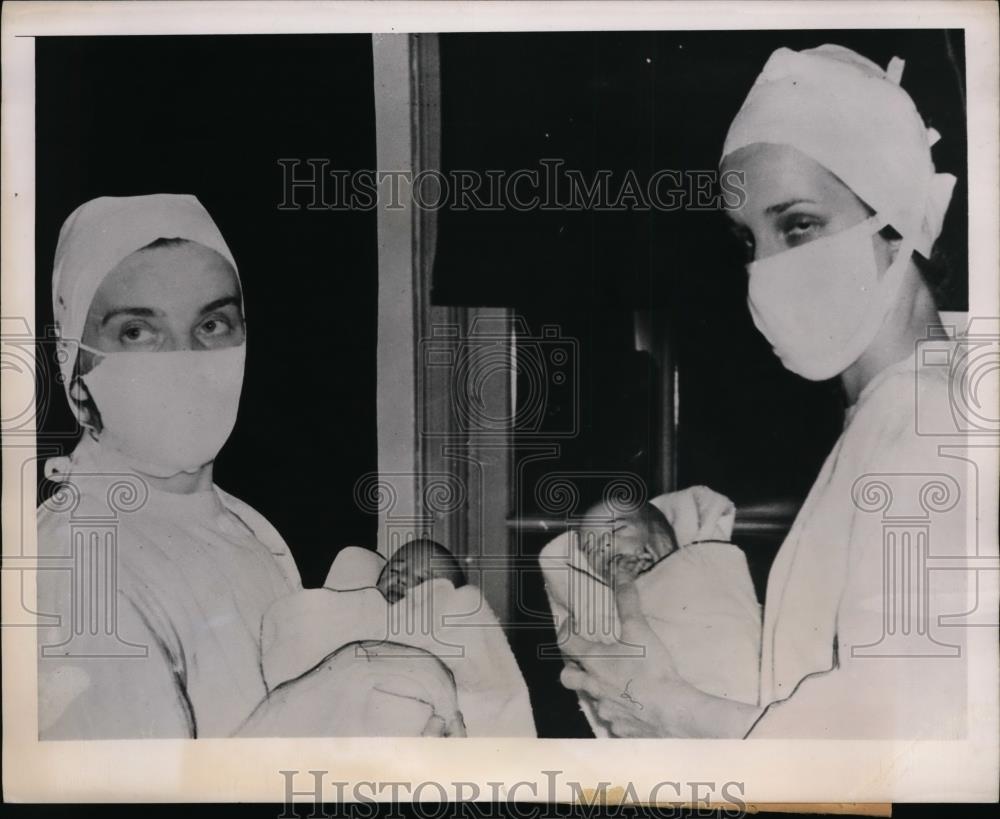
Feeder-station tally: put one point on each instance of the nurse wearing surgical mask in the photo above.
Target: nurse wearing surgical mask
(842, 207)
(149, 287)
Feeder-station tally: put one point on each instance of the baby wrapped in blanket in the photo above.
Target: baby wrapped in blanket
(417, 599)
(694, 586)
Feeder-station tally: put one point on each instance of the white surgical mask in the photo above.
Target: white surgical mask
(821, 304)
(167, 412)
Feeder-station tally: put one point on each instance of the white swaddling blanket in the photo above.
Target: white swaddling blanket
(379, 690)
(455, 625)
(699, 600)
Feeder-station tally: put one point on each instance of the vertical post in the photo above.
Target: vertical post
(437, 327)
(488, 455)
(668, 409)
(396, 408)
(439, 473)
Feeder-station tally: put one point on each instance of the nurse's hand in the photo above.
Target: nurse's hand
(624, 681)
(637, 692)
(437, 726)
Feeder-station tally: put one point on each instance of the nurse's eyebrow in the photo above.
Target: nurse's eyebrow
(781, 207)
(225, 301)
(142, 312)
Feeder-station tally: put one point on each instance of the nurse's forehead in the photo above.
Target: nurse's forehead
(168, 279)
(773, 177)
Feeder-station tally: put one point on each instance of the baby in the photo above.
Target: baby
(369, 600)
(700, 603)
(635, 539)
(416, 562)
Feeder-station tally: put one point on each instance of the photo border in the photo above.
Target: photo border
(213, 770)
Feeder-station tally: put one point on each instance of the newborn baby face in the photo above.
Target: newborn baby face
(635, 540)
(414, 563)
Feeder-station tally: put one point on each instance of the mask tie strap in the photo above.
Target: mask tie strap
(895, 70)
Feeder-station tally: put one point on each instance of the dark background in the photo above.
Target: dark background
(211, 116)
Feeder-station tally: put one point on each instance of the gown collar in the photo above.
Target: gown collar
(904, 365)
(107, 473)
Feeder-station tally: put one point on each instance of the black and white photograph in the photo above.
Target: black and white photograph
(375, 383)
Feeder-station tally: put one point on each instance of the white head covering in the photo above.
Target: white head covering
(854, 119)
(102, 232)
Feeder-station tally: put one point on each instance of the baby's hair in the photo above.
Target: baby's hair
(647, 513)
(659, 522)
(443, 563)
(164, 241)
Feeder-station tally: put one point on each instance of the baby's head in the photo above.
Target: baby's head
(416, 562)
(642, 535)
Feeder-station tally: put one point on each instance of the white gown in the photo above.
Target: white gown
(195, 574)
(863, 634)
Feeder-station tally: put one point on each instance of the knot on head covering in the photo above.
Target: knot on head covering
(853, 118)
(101, 233)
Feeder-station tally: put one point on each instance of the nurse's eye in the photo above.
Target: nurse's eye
(800, 228)
(215, 326)
(136, 334)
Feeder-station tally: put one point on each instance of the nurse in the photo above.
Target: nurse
(842, 207)
(161, 638)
